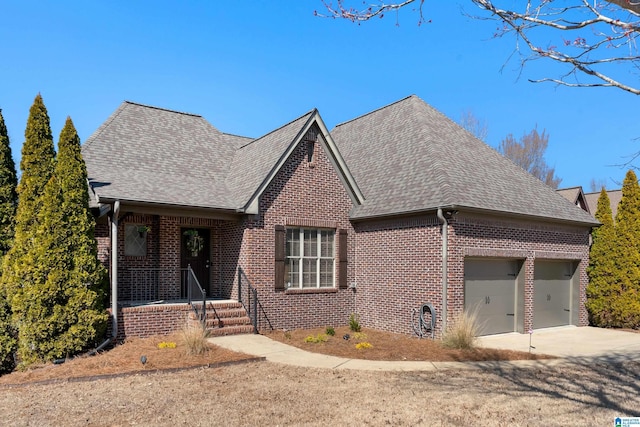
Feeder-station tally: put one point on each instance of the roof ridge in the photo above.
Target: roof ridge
(569, 188)
(236, 135)
(376, 110)
(315, 110)
(162, 109)
(608, 191)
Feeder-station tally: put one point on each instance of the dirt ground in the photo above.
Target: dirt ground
(115, 389)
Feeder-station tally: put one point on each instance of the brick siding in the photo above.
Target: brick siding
(394, 264)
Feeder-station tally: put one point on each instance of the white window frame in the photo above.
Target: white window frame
(301, 256)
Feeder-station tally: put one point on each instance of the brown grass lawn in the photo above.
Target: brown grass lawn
(113, 391)
(125, 358)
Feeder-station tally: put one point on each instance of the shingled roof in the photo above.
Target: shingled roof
(407, 157)
(614, 199)
(401, 159)
(149, 155)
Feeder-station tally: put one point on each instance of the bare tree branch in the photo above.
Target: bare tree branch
(601, 51)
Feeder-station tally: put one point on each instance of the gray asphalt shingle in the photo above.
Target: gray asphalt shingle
(405, 157)
(409, 157)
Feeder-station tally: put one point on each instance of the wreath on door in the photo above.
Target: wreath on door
(195, 242)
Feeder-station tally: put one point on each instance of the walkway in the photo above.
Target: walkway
(570, 344)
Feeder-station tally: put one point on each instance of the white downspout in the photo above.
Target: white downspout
(114, 267)
(445, 227)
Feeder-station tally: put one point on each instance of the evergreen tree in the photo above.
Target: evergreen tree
(625, 307)
(37, 163)
(7, 338)
(8, 195)
(603, 281)
(8, 200)
(81, 243)
(62, 307)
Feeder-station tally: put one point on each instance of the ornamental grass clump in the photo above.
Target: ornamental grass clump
(462, 332)
(354, 322)
(194, 336)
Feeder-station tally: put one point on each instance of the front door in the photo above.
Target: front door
(195, 251)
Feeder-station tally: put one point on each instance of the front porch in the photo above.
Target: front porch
(167, 271)
(221, 317)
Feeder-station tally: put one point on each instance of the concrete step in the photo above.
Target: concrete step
(230, 330)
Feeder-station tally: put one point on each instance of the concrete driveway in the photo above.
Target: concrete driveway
(572, 342)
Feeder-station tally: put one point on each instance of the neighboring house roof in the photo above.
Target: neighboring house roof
(575, 196)
(403, 158)
(408, 157)
(614, 198)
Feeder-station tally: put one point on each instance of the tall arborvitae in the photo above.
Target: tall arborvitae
(19, 267)
(625, 307)
(8, 200)
(62, 307)
(37, 163)
(8, 195)
(81, 243)
(603, 278)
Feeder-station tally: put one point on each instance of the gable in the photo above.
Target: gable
(270, 153)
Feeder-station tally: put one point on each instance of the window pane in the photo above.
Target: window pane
(293, 276)
(326, 273)
(293, 242)
(135, 240)
(310, 243)
(326, 243)
(309, 273)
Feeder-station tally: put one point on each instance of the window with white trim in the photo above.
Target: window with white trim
(310, 259)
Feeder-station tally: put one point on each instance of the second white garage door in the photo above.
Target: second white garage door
(490, 288)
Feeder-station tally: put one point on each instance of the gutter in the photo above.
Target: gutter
(114, 267)
(445, 237)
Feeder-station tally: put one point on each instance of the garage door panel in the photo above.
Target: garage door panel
(552, 293)
(490, 291)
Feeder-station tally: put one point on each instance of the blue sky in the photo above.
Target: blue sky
(251, 66)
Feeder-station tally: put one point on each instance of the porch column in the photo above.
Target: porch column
(114, 266)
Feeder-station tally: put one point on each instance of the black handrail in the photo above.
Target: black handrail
(252, 305)
(191, 281)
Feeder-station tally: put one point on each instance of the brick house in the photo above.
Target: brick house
(302, 227)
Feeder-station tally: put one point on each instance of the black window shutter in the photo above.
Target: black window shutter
(279, 258)
(342, 259)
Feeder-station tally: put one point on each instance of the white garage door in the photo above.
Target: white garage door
(552, 293)
(490, 288)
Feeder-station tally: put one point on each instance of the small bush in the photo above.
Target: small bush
(318, 338)
(354, 322)
(167, 344)
(287, 335)
(330, 331)
(359, 336)
(363, 345)
(462, 332)
(195, 336)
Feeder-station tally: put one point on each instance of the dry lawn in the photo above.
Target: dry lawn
(114, 389)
